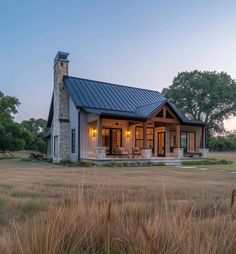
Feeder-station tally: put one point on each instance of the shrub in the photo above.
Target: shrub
(206, 162)
(65, 162)
(86, 164)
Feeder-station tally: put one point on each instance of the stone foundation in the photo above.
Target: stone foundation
(204, 152)
(100, 153)
(146, 153)
(179, 152)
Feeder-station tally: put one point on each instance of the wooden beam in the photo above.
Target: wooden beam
(134, 123)
(164, 112)
(164, 120)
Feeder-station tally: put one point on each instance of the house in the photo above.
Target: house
(94, 120)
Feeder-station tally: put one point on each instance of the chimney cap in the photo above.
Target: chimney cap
(61, 56)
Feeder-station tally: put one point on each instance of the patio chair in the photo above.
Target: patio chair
(120, 151)
(136, 151)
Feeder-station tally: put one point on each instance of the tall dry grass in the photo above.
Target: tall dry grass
(98, 221)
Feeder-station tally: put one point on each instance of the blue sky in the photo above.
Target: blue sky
(139, 43)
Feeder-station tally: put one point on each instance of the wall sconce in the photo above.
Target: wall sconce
(128, 134)
(94, 131)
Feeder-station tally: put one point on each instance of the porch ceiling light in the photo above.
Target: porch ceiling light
(94, 131)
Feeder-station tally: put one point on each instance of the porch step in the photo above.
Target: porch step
(166, 161)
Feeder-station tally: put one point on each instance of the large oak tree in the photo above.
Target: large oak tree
(207, 96)
(37, 128)
(13, 136)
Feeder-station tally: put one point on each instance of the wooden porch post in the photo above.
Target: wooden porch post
(99, 128)
(145, 134)
(177, 136)
(203, 137)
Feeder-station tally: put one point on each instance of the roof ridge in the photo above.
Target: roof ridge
(109, 109)
(99, 81)
(164, 100)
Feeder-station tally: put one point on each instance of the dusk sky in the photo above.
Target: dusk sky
(138, 43)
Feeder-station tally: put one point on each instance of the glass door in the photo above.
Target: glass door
(161, 143)
(111, 139)
(116, 139)
(191, 141)
(106, 139)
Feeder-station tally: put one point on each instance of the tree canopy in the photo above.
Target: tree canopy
(37, 128)
(15, 136)
(207, 96)
(8, 107)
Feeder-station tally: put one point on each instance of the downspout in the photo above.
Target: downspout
(79, 135)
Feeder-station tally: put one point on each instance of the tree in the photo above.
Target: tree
(226, 142)
(12, 135)
(206, 96)
(37, 128)
(8, 107)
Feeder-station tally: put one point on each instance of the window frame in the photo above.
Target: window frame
(55, 146)
(186, 149)
(172, 147)
(148, 139)
(139, 139)
(73, 136)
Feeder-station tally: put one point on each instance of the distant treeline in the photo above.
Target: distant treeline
(15, 136)
(226, 142)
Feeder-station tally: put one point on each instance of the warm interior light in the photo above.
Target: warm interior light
(94, 131)
(128, 134)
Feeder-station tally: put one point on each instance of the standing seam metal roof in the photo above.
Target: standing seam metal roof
(95, 94)
(116, 100)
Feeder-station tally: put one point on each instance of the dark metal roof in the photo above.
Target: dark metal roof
(117, 100)
(114, 113)
(50, 114)
(101, 95)
(47, 133)
(146, 110)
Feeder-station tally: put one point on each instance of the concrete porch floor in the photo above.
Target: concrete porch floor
(155, 160)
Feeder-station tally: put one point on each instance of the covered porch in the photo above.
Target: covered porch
(162, 135)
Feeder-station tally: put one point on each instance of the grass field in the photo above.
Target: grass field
(50, 209)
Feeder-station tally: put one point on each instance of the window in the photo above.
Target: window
(73, 141)
(188, 141)
(172, 140)
(56, 146)
(139, 137)
(183, 140)
(150, 138)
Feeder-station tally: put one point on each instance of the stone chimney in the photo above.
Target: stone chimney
(61, 109)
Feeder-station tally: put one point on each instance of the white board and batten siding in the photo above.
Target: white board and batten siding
(73, 116)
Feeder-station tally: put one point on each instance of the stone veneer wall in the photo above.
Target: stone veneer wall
(61, 111)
